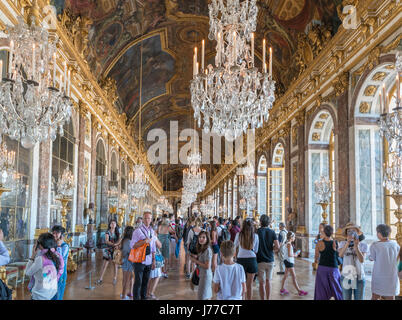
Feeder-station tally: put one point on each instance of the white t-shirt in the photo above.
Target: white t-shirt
(230, 278)
(385, 281)
(219, 229)
(350, 259)
(243, 253)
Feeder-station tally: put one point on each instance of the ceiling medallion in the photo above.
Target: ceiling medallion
(234, 95)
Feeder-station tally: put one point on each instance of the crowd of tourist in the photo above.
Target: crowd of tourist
(222, 257)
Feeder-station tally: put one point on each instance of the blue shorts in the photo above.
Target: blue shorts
(215, 248)
(127, 265)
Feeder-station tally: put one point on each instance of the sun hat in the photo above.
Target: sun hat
(351, 225)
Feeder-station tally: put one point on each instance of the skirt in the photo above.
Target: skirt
(156, 273)
(328, 284)
(249, 264)
(164, 239)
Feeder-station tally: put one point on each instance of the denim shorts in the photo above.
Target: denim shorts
(215, 248)
(127, 265)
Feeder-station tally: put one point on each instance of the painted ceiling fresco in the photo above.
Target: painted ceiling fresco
(167, 31)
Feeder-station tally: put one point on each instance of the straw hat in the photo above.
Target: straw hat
(351, 225)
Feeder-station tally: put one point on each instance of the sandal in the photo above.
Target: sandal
(303, 293)
(284, 292)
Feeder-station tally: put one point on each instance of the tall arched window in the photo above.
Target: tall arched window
(62, 158)
(276, 187)
(262, 186)
(234, 196)
(230, 212)
(123, 177)
(321, 163)
(101, 186)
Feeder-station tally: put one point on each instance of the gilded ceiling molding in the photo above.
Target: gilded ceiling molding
(347, 48)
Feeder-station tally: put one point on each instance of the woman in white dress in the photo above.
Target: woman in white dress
(384, 253)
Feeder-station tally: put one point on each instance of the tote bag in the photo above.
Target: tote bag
(138, 255)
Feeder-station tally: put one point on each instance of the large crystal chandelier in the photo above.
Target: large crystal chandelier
(32, 109)
(194, 178)
(138, 182)
(165, 205)
(7, 168)
(391, 123)
(65, 184)
(187, 198)
(234, 94)
(207, 206)
(247, 187)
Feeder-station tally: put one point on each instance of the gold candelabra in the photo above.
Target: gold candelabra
(2, 190)
(71, 264)
(132, 218)
(324, 214)
(121, 214)
(398, 214)
(244, 214)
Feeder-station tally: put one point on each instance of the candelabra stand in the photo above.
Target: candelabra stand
(398, 214)
(324, 214)
(120, 215)
(71, 264)
(132, 218)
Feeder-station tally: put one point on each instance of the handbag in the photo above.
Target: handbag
(138, 255)
(159, 260)
(195, 279)
(118, 257)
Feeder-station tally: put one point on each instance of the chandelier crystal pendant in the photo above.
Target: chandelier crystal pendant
(234, 95)
(32, 109)
(194, 178)
(393, 174)
(8, 175)
(138, 182)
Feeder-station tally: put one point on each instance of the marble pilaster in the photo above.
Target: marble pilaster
(45, 164)
(81, 170)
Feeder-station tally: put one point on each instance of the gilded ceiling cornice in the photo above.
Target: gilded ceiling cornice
(328, 71)
(98, 102)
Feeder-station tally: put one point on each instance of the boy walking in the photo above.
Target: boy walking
(229, 280)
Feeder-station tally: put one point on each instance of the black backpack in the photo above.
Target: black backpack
(193, 245)
(179, 232)
(5, 292)
(225, 235)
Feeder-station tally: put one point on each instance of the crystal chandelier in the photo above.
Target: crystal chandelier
(243, 204)
(207, 206)
(322, 188)
(233, 95)
(247, 187)
(393, 174)
(165, 205)
(194, 178)
(138, 182)
(7, 168)
(187, 198)
(65, 184)
(391, 123)
(31, 108)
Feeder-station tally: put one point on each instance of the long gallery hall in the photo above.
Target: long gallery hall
(200, 150)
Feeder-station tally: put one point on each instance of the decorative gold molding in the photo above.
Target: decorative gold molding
(365, 107)
(38, 232)
(370, 91)
(79, 228)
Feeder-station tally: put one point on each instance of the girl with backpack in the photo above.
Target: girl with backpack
(192, 241)
(289, 261)
(187, 227)
(45, 268)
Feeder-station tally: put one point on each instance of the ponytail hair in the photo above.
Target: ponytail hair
(47, 241)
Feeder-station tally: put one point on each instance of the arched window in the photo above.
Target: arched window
(276, 187)
(230, 212)
(113, 171)
(371, 151)
(262, 186)
(101, 186)
(321, 163)
(234, 196)
(100, 159)
(62, 158)
(123, 177)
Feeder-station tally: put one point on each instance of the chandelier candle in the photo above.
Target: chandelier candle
(10, 66)
(263, 55)
(33, 61)
(203, 56)
(270, 63)
(1, 70)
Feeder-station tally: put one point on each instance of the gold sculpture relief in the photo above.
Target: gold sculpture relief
(294, 136)
(370, 91)
(109, 85)
(316, 136)
(341, 83)
(379, 76)
(323, 116)
(365, 107)
(390, 67)
(318, 125)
